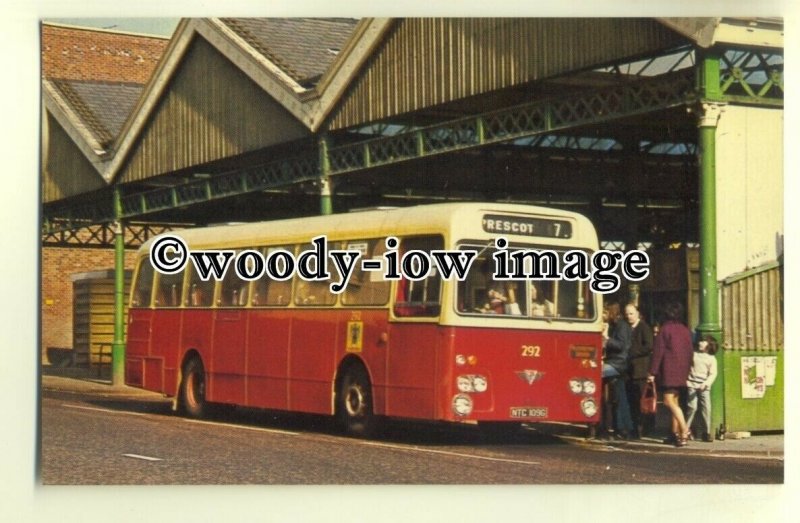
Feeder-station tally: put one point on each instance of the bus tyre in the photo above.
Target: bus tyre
(193, 389)
(354, 404)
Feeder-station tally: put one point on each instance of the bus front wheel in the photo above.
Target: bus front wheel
(193, 389)
(354, 403)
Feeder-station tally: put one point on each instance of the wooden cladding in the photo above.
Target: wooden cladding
(67, 172)
(752, 311)
(210, 110)
(429, 61)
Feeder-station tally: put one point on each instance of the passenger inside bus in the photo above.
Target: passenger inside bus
(540, 304)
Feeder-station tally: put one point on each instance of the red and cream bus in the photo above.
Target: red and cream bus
(472, 350)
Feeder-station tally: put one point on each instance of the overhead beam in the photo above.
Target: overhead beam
(101, 236)
(576, 110)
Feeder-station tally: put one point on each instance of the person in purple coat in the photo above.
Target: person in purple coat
(671, 362)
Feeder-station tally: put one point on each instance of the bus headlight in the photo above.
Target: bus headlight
(471, 383)
(464, 384)
(462, 404)
(589, 387)
(589, 407)
(582, 386)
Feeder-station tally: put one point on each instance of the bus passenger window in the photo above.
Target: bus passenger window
(233, 290)
(199, 293)
(267, 291)
(143, 287)
(367, 287)
(421, 298)
(313, 293)
(542, 301)
(168, 290)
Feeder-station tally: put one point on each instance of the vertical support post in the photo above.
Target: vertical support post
(325, 188)
(711, 110)
(709, 293)
(118, 347)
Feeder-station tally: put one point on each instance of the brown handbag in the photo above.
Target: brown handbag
(647, 403)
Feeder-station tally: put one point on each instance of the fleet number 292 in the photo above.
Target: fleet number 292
(531, 351)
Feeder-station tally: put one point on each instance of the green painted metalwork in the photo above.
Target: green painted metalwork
(518, 122)
(325, 189)
(709, 293)
(749, 414)
(535, 119)
(118, 346)
(102, 235)
(751, 76)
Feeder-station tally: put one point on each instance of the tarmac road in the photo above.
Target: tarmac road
(91, 436)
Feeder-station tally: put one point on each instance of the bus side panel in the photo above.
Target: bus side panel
(364, 333)
(411, 369)
(230, 329)
(137, 345)
(312, 360)
(528, 373)
(165, 338)
(268, 337)
(197, 328)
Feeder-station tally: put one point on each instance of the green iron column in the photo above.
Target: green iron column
(325, 189)
(118, 347)
(710, 111)
(709, 293)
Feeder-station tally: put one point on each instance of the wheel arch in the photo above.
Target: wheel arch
(189, 355)
(348, 362)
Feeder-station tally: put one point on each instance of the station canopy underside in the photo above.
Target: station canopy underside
(616, 144)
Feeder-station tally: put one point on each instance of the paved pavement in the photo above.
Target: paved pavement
(764, 445)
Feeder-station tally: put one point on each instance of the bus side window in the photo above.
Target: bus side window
(168, 290)
(143, 288)
(267, 291)
(366, 287)
(199, 293)
(420, 298)
(313, 293)
(233, 290)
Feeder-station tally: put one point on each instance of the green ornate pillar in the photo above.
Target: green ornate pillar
(710, 110)
(326, 184)
(118, 346)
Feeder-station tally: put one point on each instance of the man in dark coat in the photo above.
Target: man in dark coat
(641, 350)
(616, 347)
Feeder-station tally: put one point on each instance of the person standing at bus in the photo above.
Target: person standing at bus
(701, 377)
(671, 361)
(616, 347)
(641, 350)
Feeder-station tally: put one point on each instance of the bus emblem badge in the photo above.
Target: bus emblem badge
(355, 336)
(530, 376)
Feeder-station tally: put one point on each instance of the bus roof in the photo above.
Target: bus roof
(422, 219)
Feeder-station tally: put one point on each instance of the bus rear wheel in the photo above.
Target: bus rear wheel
(354, 411)
(193, 389)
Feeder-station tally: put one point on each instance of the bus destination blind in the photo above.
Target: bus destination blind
(496, 223)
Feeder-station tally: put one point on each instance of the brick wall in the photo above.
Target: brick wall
(86, 54)
(58, 264)
(91, 54)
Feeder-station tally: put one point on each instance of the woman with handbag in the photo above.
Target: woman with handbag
(671, 361)
(639, 355)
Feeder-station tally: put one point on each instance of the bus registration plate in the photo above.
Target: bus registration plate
(528, 412)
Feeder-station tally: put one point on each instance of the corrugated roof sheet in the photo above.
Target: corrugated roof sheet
(304, 48)
(102, 106)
